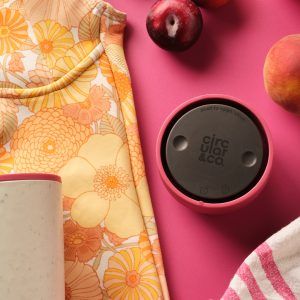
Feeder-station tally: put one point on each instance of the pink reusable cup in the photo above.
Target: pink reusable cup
(214, 154)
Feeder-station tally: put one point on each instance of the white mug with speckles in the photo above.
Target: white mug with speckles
(31, 237)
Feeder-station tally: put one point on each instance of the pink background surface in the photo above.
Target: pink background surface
(202, 252)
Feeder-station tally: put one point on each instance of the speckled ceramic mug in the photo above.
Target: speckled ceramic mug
(31, 233)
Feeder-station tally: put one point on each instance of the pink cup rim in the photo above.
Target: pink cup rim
(30, 176)
(198, 204)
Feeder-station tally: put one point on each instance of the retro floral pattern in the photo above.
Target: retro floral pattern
(81, 282)
(131, 276)
(8, 120)
(46, 141)
(102, 185)
(67, 12)
(53, 41)
(66, 107)
(75, 91)
(6, 161)
(16, 64)
(97, 103)
(136, 152)
(81, 243)
(13, 30)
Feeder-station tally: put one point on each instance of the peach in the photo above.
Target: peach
(282, 73)
(211, 3)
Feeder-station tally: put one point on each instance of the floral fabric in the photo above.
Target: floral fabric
(66, 107)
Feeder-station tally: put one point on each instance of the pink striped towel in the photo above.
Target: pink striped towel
(272, 271)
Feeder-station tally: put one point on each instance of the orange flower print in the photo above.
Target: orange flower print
(13, 30)
(113, 238)
(16, 64)
(6, 161)
(131, 276)
(92, 109)
(67, 203)
(123, 84)
(81, 282)
(81, 243)
(111, 182)
(157, 257)
(145, 246)
(53, 41)
(113, 33)
(106, 69)
(136, 152)
(40, 76)
(46, 141)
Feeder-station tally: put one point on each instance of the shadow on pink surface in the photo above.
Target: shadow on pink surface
(217, 25)
(297, 2)
(268, 211)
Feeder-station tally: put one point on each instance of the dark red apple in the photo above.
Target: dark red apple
(174, 24)
(211, 3)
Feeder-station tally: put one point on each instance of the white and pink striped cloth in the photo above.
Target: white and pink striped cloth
(272, 271)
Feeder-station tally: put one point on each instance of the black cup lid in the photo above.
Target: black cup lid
(216, 151)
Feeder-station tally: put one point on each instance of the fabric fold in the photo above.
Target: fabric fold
(67, 108)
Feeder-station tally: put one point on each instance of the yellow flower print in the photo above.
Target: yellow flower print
(6, 162)
(75, 92)
(18, 5)
(46, 141)
(53, 41)
(8, 120)
(89, 27)
(152, 253)
(131, 276)
(117, 58)
(8, 90)
(73, 57)
(13, 30)
(67, 12)
(99, 180)
(2, 2)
